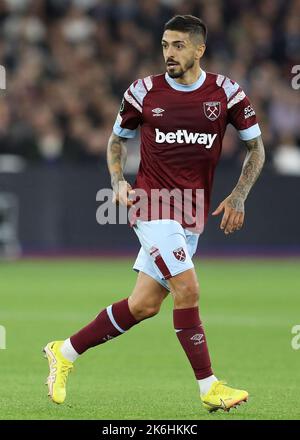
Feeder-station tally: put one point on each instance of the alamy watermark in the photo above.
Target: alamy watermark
(296, 79)
(296, 339)
(2, 337)
(185, 206)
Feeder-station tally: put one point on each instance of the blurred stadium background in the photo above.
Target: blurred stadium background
(67, 65)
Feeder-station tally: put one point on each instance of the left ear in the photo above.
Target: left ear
(200, 51)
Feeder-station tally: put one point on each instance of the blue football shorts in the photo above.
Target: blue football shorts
(166, 249)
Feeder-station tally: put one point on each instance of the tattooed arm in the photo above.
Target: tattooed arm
(116, 159)
(233, 205)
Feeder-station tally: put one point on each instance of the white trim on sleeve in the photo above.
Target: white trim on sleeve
(250, 133)
(237, 98)
(132, 101)
(123, 132)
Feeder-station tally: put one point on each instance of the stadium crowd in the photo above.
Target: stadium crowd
(68, 63)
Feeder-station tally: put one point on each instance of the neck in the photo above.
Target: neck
(190, 76)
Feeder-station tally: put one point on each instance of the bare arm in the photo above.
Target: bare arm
(116, 159)
(234, 205)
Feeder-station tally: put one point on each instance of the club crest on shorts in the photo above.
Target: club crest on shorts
(212, 110)
(179, 254)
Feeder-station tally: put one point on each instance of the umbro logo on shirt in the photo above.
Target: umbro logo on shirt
(185, 137)
(157, 111)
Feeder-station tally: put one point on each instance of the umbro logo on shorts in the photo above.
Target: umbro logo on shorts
(198, 338)
(179, 254)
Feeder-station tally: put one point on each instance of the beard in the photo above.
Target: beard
(181, 70)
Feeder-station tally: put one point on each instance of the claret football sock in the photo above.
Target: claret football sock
(111, 322)
(190, 333)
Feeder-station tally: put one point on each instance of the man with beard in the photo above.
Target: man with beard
(182, 115)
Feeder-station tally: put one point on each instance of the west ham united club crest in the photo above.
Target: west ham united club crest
(179, 254)
(212, 110)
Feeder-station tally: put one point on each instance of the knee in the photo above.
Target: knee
(143, 310)
(187, 294)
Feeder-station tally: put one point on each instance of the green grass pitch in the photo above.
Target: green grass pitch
(248, 307)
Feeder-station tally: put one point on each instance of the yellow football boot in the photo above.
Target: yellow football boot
(59, 371)
(223, 397)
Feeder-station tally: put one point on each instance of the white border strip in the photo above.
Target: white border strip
(132, 101)
(148, 82)
(229, 88)
(237, 98)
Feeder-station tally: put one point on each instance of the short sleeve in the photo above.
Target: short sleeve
(129, 116)
(240, 112)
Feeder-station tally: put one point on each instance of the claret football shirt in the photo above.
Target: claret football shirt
(182, 127)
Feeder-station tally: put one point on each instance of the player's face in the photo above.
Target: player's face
(180, 53)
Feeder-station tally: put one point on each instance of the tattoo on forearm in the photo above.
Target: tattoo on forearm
(251, 170)
(116, 158)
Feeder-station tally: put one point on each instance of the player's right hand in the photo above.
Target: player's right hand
(123, 194)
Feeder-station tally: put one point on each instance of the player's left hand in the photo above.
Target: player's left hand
(234, 213)
(123, 193)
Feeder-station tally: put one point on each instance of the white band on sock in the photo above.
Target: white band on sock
(113, 321)
(205, 384)
(68, 351)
